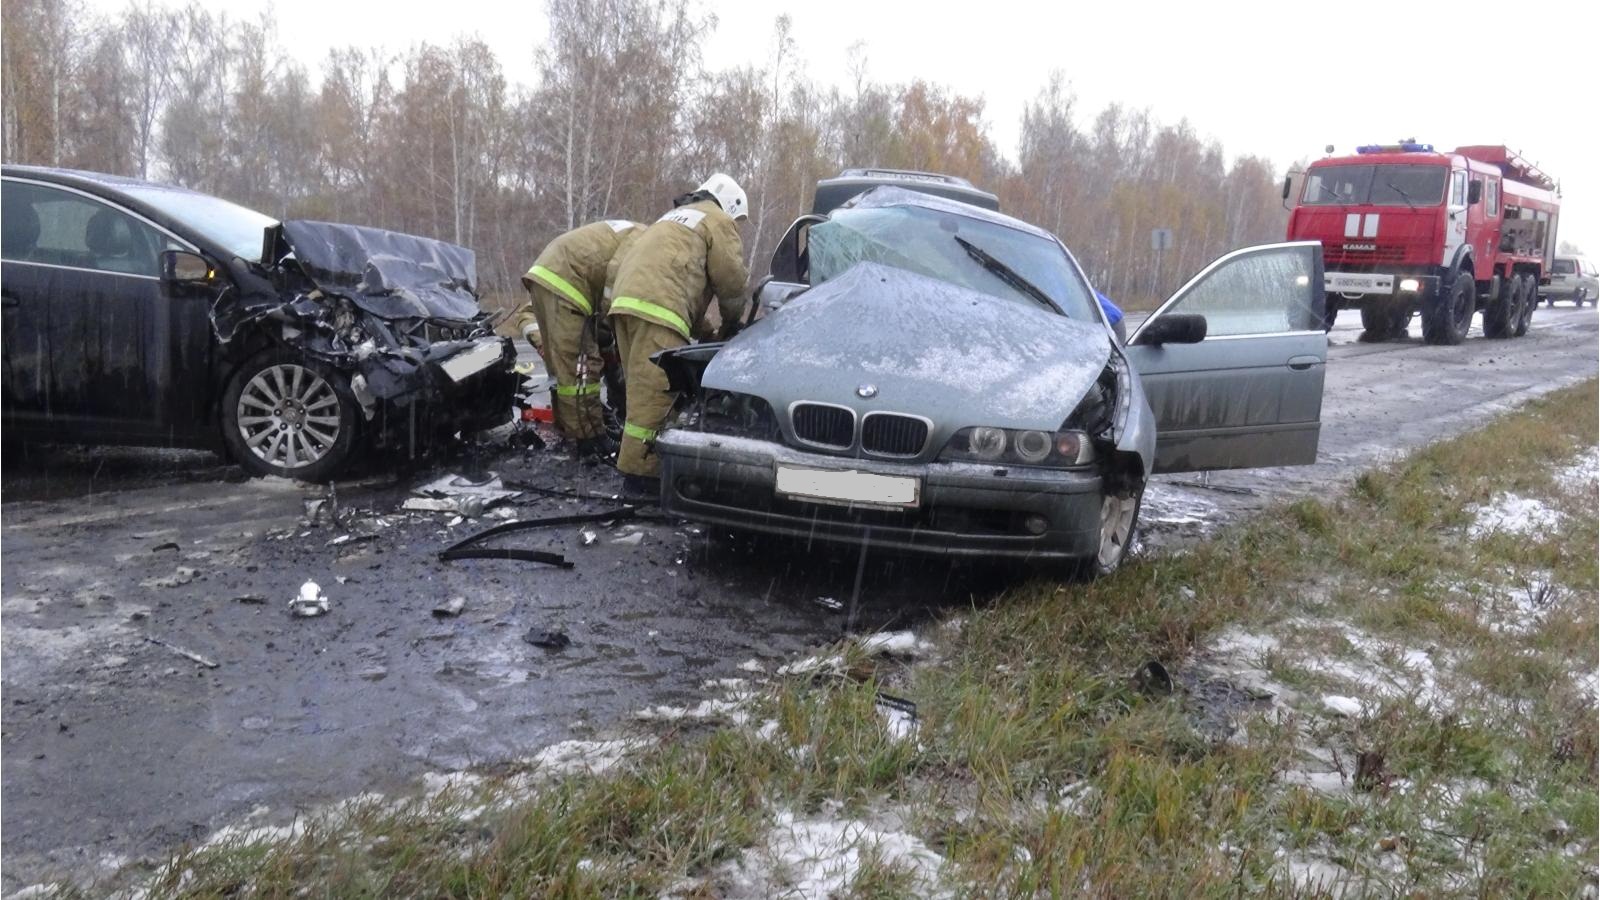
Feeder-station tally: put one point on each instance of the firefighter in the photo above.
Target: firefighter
(563, 320)
(663, 287)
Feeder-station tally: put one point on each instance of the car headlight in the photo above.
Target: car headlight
(987, 443)
(728, 412)
(1028, 448)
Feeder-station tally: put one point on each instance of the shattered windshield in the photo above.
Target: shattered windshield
(239, 230)
(920, 240)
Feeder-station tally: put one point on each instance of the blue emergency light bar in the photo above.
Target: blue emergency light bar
(1403, 147)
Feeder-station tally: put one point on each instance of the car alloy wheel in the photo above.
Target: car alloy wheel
(288, 416)
(1117, 515)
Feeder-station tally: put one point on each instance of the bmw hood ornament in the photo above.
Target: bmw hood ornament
(867, 391)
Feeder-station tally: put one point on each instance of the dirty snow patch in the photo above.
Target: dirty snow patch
(705, 709)
(821, 857)
(1513, 514)
(896, 643)
(1342, 706)
(591, 757)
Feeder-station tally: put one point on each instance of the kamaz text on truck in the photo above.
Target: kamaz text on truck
(1408, 230)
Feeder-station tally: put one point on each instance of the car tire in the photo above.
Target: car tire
(1504, 309)
(305, 401)
(1447, 318)
(1529, 289)
(1119, 526)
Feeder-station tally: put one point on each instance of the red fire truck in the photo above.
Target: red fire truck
(1406, 229)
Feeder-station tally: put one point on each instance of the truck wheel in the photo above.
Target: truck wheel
(1530, 289)
(1448, 317)
(288, 415)
(1503, 311)
(1381, 322)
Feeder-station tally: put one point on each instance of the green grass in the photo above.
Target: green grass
(1040, 766)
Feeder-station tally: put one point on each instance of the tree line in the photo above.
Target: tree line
(623, 116)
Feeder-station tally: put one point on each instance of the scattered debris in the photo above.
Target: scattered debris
(450, 608)
(169, 545)
(351, 539)
(549, 640)
(1153, 678)
(186, 654)
(829, 603)
(589, 538)
(458, 494)
(251, 599)
(311, 601)
(752, 665)
(464, 548)
(182, 576)
(631, 540)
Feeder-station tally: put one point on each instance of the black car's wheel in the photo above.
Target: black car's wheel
(1119, 523)
(285, 414)
(1447, 318)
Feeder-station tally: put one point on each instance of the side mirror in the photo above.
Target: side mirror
(771, 294)
(1474, 192)
(1287, 181)
(1174, 328)
(183, 267)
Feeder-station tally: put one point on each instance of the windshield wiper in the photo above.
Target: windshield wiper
(1403, 195)
(1006, 273)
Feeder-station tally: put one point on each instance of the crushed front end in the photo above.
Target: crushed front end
(398, 313)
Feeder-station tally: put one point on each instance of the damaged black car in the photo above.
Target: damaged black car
(146, 314)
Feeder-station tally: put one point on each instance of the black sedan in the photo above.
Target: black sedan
(141, 313)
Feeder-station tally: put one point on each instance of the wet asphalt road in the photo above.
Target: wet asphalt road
(115, 747)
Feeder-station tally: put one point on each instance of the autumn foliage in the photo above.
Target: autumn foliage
(623, 117)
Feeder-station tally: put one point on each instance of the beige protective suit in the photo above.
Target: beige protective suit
(663, 286)
(566, 305)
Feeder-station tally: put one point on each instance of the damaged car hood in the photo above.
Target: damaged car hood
(918, 345)
(386, 273)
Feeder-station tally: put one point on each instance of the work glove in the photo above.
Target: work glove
(531, 332)
(729, 328)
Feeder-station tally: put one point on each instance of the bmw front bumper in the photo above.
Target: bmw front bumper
(963, 509)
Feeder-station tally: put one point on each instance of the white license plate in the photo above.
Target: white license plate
(849, 486)
(1358, 283)
(471, 361)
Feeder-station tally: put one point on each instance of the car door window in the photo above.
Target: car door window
(1268, 290)
(55, 227)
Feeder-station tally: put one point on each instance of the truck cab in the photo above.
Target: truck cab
(1406, 229)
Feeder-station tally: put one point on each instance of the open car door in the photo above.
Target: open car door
(1250, 392)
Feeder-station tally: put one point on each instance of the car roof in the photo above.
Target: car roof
(888, 195)
(84, 178)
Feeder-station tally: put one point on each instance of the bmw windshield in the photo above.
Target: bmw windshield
(239, 230)
(924, 241)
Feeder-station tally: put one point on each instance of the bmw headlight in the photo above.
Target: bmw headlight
(987, 444)
(727, 412)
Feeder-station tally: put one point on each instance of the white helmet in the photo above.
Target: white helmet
(729, 195)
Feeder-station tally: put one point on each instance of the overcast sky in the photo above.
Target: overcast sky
(1281, 80)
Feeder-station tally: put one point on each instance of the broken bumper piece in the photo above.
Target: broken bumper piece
(958, 509)
(451, 386)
